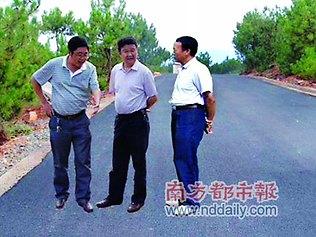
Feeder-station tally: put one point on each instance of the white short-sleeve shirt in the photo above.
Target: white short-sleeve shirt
(193, 80)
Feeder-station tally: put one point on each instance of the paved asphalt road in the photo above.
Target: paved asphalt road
(262, 132)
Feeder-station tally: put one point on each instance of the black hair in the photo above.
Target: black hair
(77, 42)
(126, 41)
(188, 42)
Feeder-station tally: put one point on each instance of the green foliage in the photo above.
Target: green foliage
(58, 26)
(306, 66)
(103, 81)
(296, 37)
(149, 52)
(205, 58)
(228, 66)
(104, 27)
(285, 37)
(254, 39)
(15, 129)
(21, 54)
(107, 25)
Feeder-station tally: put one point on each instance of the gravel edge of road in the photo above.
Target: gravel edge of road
(13, 175)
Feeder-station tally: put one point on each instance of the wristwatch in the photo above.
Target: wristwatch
(209, 122)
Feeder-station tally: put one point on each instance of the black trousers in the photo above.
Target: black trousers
(131, 133)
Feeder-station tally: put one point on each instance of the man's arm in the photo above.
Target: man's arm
(210, 104)
(150, 102)
(96, 94)
(39, 92)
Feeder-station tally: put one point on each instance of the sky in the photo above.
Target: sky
(211, 22)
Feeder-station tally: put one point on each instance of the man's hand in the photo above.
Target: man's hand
(208, 126)
(95, 109)
(96, 97)
(48, 109)
(46, 105)
(210, 105)
(150, 102)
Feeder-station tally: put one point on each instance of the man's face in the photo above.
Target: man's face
(179, 54)
(79, 56)
(129, 54)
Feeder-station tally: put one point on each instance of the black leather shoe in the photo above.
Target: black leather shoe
(87, 207)
(107, 203)
(61, 203)
(134, 207)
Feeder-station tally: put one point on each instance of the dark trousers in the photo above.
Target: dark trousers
(187, 127)
(131, 133)
(63, 133)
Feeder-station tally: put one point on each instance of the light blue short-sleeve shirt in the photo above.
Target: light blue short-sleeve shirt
(70, 91)
(131, 88)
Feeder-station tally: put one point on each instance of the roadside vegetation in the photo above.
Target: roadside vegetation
(21, 53)
(281, 41)
(274, 38)
(282, 38)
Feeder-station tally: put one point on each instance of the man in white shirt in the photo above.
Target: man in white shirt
(135, 93)
(193, 111)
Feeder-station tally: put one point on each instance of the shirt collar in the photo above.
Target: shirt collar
(134, 67)
(83, 67)
(191, 61)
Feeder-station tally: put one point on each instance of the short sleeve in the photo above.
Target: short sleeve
(203, 81)
(94, 84)
(45, 73)
(149, 84)
(111, 86)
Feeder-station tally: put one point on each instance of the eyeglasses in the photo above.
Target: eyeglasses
(81, 54)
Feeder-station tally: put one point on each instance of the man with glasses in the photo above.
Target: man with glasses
(73, 80)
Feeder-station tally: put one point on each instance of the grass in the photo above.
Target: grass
(13, 130)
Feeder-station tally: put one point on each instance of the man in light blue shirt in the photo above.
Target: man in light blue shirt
(73, 80)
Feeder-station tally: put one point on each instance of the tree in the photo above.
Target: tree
(107, 25)
(205, 58)
(20, 55)
(306, 66)
(228, 66)
(296, 38)
(58, 26)
(149, 52)
(254, 39)
(104, 27)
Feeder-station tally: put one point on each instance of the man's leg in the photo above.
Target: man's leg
(82, 150)
(138, 137)
(187, 133)
(60, 143)
(120, 161)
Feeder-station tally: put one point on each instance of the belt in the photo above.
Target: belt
(69, 117)
(134, 114)
(191, 106)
